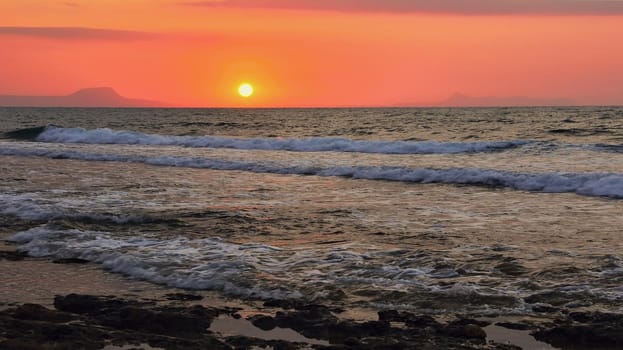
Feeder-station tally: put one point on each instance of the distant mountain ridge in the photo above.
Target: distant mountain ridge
(460, 100)
(90, 97)
(108, 97)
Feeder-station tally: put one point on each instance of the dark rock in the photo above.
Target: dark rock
(352, 342)
(506, 347)
(410, 320)
(156, 322)
(374, 328)
(470, 331)
(23, 344)
(313, 322)
(85, 304)
(201, 311)
(22, 334)
(206, 342)
(597, 317)
(582, 336)
(468, 321)
(100, 321)
(36, 312)
(265, 323)
(251, 343)
(312, 307)
(421, 321)
(183, 297)
(70, 261)
(176, 322)
(474, 331)
(594, 330)
(105, 320)
(390, 315)
(284, 304)
(121, 314)
(337, 333)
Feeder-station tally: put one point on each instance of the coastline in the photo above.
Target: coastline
(102, 310)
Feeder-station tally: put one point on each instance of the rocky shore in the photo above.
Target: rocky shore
(103, 322)
(95, 322)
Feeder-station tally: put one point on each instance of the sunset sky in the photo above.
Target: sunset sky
(314, 52)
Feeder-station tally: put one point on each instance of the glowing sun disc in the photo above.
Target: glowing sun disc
(245, 90)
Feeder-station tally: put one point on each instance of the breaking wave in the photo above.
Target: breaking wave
(27, 206)
(311, 144)
(214, 264)
(588, 184)
(181, 262)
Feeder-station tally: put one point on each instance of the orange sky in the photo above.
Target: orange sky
(313, 53)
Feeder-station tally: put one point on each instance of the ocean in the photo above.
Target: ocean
(476, 210)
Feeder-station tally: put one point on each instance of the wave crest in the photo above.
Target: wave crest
(310, 144)
(588, 184)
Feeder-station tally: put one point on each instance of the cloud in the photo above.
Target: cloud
(77, 33)
(466, 7)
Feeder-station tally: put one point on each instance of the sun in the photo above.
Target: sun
(245, 89)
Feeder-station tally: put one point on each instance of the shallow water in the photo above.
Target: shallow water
(478, 230)
(523, 339)
(228, 326)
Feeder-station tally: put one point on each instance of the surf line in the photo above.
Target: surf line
(587, 184)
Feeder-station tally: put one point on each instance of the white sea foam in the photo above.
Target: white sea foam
(28, 206)
(311, 144)
(258, 270)
(588, 184)
(179, 262)
(24, 206)
(209, 263)
(250, 270)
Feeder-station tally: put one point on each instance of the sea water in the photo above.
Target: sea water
(435, 210)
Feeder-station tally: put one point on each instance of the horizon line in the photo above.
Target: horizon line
(319, 107)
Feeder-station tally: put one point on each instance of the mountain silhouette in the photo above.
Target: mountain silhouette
(90, 97)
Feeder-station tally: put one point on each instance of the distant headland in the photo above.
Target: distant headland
(90, 97)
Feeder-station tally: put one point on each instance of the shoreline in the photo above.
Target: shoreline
(79, 297)
(33, 287)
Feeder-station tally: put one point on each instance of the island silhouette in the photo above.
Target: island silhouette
(108, 97)
(89, 97)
